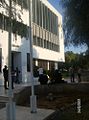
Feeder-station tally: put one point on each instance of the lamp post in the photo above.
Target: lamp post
(9, 49)
(10, 105)
(32, 97)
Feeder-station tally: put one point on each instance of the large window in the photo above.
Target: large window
(34, 40)
(28, 62)
(0, 58)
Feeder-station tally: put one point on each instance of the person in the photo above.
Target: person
(41, 75)
(40, 70)
(72, 74)
(57, 76)
(5, 74)
(43, 79)
(17, 75)
(79, 74)
(13, 78)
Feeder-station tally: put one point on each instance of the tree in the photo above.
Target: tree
(71, 59)
(16, 17)
(74, 59)
(76, 21)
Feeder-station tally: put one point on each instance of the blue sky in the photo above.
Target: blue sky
(55, 3)
(80, 49)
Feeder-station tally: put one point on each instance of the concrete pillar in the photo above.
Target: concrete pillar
(48, 65)
(56, 65)
(36, 62)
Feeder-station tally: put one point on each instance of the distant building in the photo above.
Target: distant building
(48, 41)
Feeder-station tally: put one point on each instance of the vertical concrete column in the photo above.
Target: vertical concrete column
(56, 65)
(36, 62)
(48, 65)
(33, 104)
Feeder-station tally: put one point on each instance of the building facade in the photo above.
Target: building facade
(48, 41)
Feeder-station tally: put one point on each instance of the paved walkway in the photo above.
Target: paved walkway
(23, 113)
(75, 81)
(17, 88)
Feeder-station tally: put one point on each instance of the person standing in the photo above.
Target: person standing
(79, 74)
(40, 71)
(5, 74)
(17, 75)
(72, 73)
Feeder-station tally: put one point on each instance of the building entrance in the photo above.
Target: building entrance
(16, 63)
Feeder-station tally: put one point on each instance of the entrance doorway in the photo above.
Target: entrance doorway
(16, 62)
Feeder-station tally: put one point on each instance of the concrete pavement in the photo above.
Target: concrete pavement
(23, 113)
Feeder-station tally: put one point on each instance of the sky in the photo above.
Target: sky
(55, 3)
(80, 49)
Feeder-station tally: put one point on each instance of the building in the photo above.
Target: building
(48, 42)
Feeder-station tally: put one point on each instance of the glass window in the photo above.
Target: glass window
(38, 14)
(38, 41)
(41, 42)
(34, 40)
(41, 14)
(33, 5)
(44, 43)
(28, 62)
(47, 44)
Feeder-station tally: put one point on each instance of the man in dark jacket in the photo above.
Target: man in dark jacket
(5, 74)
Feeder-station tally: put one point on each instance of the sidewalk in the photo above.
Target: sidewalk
(17, 88)
(23, 113)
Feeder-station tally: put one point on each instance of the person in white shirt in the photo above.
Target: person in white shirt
(40, 70)
(43, 79)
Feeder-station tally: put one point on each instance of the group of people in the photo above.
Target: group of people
(14, 74)
(43, 78)
(74, 71)
(53, 76)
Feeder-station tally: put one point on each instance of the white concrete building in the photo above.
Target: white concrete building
(48, 42)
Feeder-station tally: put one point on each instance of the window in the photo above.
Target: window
(0, 58)
(34, 40)
(44, 43)
(38, 41)
(47, 44)
(38, 13)
(28, 62)
(41, 42)
(33, 3)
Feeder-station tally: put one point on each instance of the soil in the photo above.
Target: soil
(59, 101)
(61, 98)
(62, 95)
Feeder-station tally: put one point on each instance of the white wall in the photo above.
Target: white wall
(20, 45)
(46, 54)
(4, 46)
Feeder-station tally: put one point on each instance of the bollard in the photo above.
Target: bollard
(79, 106)
(33, 104)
